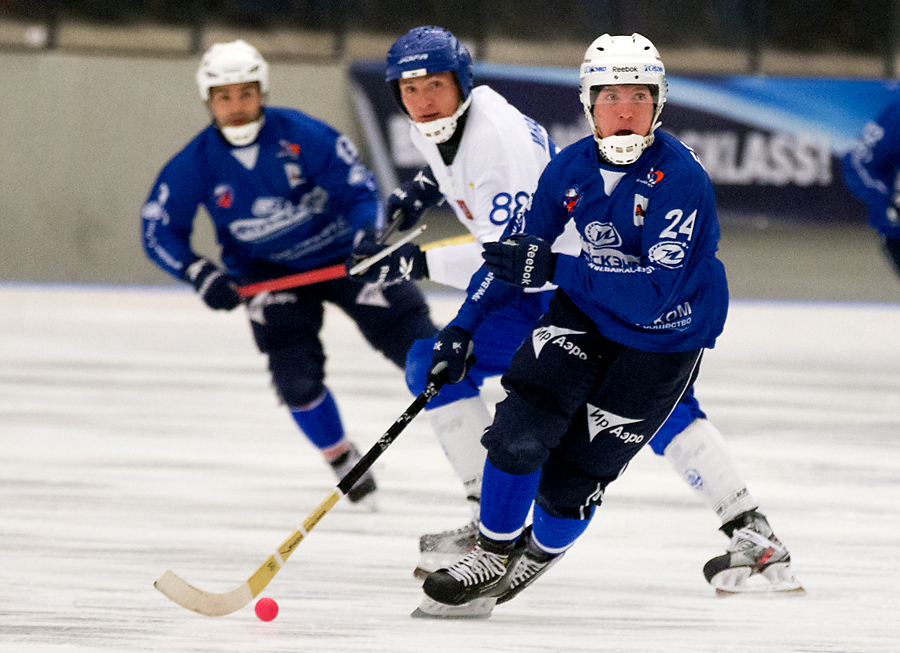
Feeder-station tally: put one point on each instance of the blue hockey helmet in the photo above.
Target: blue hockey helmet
(426, 50)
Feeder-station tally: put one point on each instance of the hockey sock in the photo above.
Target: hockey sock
(556, 534)
(320, 421)
(459, 427)
(505, 502)
(699, 455)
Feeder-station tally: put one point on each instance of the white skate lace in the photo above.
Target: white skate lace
(478, 566)
(743, 537)
(525, 570)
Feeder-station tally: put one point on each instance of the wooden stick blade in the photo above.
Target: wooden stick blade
(208, 604)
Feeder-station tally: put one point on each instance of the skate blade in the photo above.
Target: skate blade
(477, 609)
(774, 579)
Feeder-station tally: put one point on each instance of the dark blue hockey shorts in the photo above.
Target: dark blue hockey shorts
(580, 406)
(286, 327)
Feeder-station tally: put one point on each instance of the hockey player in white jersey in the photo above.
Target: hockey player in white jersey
(484, 159)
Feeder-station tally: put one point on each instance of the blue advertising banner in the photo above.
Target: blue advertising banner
(772, 146)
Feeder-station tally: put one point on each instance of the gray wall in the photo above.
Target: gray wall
(83, 139)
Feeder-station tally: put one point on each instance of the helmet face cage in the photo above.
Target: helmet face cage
(236, 62)
(614, 60)
(426, 50)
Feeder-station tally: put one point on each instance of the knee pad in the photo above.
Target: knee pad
(682, 417)
(296, 380)
(522, 436)
(418, 362)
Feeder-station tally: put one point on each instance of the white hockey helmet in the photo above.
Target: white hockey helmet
(231, 63)
(236, 62)
(622, 60)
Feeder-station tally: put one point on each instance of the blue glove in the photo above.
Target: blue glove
(521, 260)
(451, 358)
(407, 263)
(216, 288)
(412, 198)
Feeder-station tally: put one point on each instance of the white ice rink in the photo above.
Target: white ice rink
(138, 433)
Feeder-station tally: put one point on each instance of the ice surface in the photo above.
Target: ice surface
(139, 433)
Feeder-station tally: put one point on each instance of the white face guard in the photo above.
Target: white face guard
(622, 150)
(236, 62)
(243, 135)
(612, 60)
(440, 130)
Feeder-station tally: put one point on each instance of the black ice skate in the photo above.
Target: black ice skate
(469, 588)
(754, 554)
(364, 489)
(441, 550)
(532, 566)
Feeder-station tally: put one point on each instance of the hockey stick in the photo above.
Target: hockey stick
(212, 604)
(337, 271)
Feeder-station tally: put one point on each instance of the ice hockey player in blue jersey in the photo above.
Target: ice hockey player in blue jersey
(872, 173)
(484, 159)
(619, 347)
(286, 193)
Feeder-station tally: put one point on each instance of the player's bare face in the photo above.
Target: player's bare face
(432, 97)
(235, 105)
(624, 109)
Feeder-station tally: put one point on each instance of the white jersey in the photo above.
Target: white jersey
(496, 169)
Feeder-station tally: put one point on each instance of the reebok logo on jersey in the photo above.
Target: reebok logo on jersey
(600, 421)
(556, 335)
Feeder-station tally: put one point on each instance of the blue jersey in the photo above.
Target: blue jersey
(290, 202)
(872, 171)
(647, 274)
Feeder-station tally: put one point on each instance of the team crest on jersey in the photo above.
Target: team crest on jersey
(224, 196)
(573, 197)
(602, 234)
(640, 209)
(669, 254)
(602, 244)
(294, 174)
(288, 149)
(653, 178)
